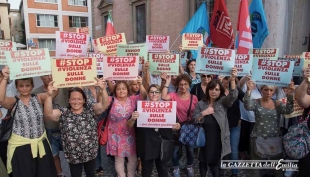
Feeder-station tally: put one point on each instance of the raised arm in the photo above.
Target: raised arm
(49, 112)
(164, 93)
(288, 108)
(110, 87)
(146, 76)
(233, 92)
(5, 102)
(249, 104)
(301, 96)
(103, 103)
(143, 93)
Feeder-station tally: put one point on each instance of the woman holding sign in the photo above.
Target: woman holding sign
(211, 113)
(78, 127)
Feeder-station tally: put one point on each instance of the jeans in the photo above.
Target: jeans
(189, 156)
(234, 143)
(98, 158)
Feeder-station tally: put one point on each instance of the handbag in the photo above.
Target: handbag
(7, 123)
(102, 127)
(166, 148)
(269, 147)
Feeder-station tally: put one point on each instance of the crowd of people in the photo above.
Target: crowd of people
(235, 113)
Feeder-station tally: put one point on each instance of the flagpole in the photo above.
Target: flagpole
(174, 41)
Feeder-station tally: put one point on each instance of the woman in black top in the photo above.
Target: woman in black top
(200, 88)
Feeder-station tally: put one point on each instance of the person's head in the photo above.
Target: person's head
(77, 99)
(214, 90)
(183, 82)
(154, 92)
(190, 66)
(267, 91)
(134, 87)
(46, 79)
(206, 78)
(189, 55)
(174, 80)
(121, 89)
(226, 81)
(24, 86)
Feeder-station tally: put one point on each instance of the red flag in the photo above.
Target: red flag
(221, 31)
(109, 30)
(244, 29)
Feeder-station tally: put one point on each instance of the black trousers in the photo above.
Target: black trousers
(3, 151)
(303, 166)
(161, 166)
(203, 169)
(89, 168)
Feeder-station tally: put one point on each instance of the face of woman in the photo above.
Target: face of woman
(154, 94)
(24, 87)
(76, 100)
(121, 91)
(206, 78)
(267, 92)
(215, 93)
(225, 82)
(183, 86)
(134, 86)
(192, 66)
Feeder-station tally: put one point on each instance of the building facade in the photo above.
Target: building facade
(288, 20)
(16, 25)
(43, 18)
(5, 22)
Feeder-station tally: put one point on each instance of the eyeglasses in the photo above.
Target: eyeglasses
(154, 92)
(204, 76)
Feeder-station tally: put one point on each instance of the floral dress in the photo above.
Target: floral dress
(121, 141)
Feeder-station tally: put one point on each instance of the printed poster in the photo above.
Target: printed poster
(70, 44)
(108, 44)
(191, 41)
(84, 30)
(74, 72)
(266, 54)
(244, 63)
(156, 114)
(272, 72)
(99, 61)
(298, 111)
(299, 64)
(216, 61)
(139, 50)
(164, 63)
(28, 63)
(293, 56)
(121, 68)
(6, 46)
(157, 43)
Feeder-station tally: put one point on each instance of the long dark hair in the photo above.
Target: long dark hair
(77, 89)
(211, 85)
(189, 62)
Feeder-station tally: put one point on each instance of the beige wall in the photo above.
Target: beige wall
(5, 24)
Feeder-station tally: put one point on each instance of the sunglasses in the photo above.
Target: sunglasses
(208, 76)
(154, 92)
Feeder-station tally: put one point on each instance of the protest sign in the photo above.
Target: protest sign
(215, 61)
(139, 50)
(74, 72)
(191, 41)
(108, 44)
(121, 68)
(70, 44)
(306, 57)
(298, 65)
(272, 72)
(99, 61)
(293, 56)
(28, 63)
(6, 46)
(266, 54)
(82, 30)
(244, 63)
(157, 43)
(168, 63)
(297, 109)
(156, 114)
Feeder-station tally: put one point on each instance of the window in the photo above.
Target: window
(78, 2)
(105, 20)
(141, 23)
(210, 6)
(47, 1)
(77, 22)
(47, 20)
(47, 43)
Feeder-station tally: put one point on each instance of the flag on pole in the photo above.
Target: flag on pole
(109, 30)
(244, 29)
(221, 29)
(258, 23)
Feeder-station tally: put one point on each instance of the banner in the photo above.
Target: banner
(84, 30)
(108, 44)
(168, 63)
(299, 64)
(215, 61)
(293, 56)
(99, 61)
(191, 41)
(139, 50)
(265, 54)
(70, 44)
(298, 111)
(28, 63)
(157, 43)
(156, 114)
(272, 72)
(6, 46)
(121, 68)
(74, 72)
(244, 63)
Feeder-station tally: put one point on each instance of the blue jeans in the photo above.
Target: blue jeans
(234, 143)
(98, 158)
(189, 156)
(54, 138)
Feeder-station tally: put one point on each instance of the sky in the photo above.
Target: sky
(14, 4)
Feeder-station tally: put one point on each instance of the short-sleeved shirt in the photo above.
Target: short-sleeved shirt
(183, 106)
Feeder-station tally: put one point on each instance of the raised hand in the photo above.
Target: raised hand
(51, 89)
(163, 76)
(135, 115)
(249, 85)
(291, 88)
(101, 83)
(6, 72)
(139, 80)
(234, 73)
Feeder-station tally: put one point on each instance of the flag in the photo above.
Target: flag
(199, 23)
(109, 30)
(244, 29)
(221, 29)
(258, 23)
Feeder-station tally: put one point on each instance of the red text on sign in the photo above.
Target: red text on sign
(73, 62)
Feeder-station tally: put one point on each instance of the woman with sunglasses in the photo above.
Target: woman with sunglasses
(149, 140)
(200, 88)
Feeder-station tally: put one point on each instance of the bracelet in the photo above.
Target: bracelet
(166, 87)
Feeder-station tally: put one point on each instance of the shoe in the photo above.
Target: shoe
(99, 171)
(176, 172)
(190, 172)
